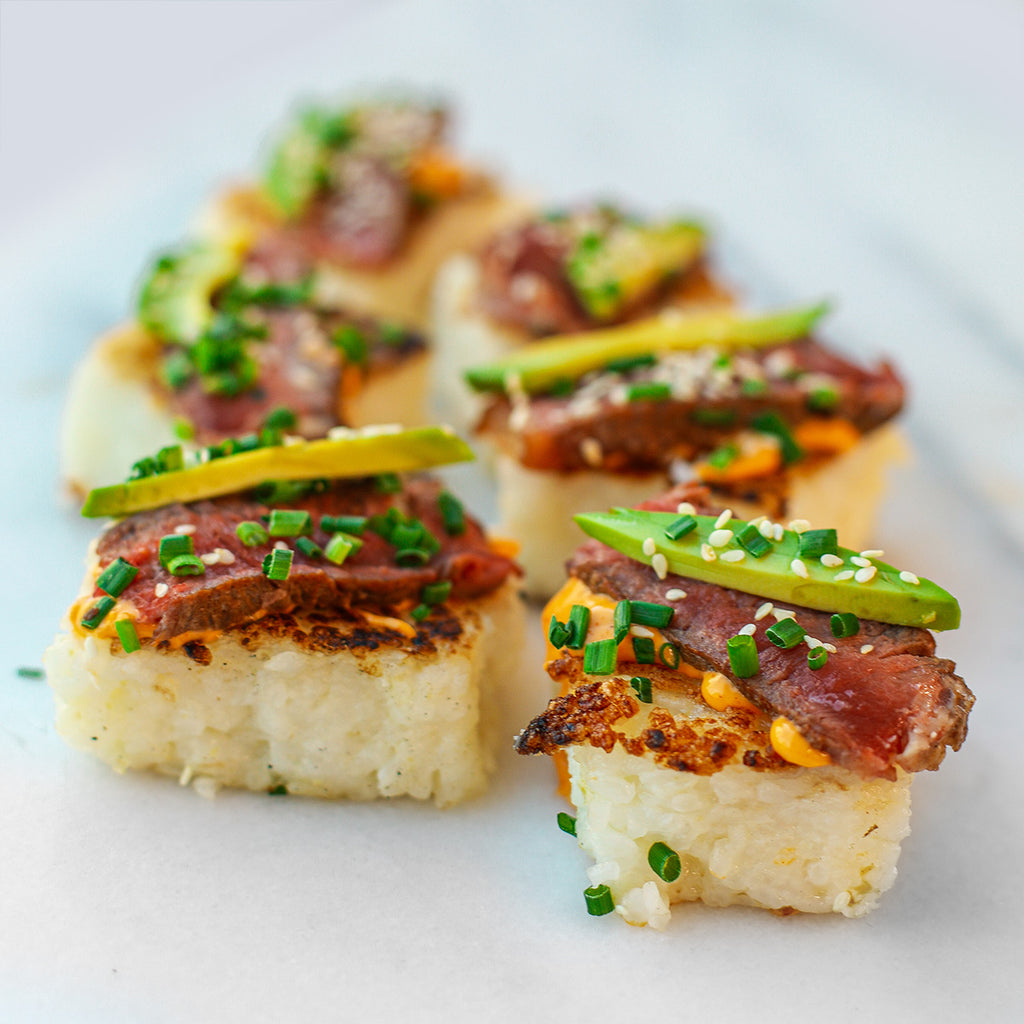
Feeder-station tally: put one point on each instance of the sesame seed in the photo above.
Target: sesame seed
(340, 433)
(591, 450)
(782, 613)
(723, 518)
(659, 563)
(831, 648)
(748, 630)
(799, 525)
(280, 545)
(766, 528)
(226, 557)
(799, 568)
(846, 574)
(812, 641)
(675, 594)
(867, 648)
(862, 562)
(734, 556)
(909, 577)
(160, 590)
(758, 520)
(519, 416)
(685, 508)
(865, 575)
(719, 538)
(777, 531)
(209, 557)
(185, 528)
(707, 552)
(649, 546)
(764, 610)
(831, 561)
(640, 631)
(872, 553)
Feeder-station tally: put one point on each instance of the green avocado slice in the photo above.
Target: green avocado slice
(363, 454)
(886, 598)
(539, 365)
(175, 301)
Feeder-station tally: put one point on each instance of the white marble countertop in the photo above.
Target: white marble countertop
(873, 153)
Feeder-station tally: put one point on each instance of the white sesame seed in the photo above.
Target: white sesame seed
(675, 594)
(719, 538)
(799, 525)
(209, 557)
(519, 417)
(707, 552)
(757, 520)
(867, 648)
(777, 531)
(748, 630)
(872, 553)
(640, 631)
(799, 568)
(831, 648)
(723, 518)
(339, 433)
(185, 528)
(659, 563)
(226, 557)
(865, 575)
(280, 545)
(846, 574)
(812, 641)
(862, 562)
(591, 450)
(733, 556)
(831, 561)
(649, 546)
(766, 528)
(685, 508)
(782, 613)
(160, 590)
(764, 610)
(909, 577)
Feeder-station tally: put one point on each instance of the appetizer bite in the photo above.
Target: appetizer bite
(561, 273)
(370, 196)
(743, 706)
(754, 406)
(294, 618)
(222, 348)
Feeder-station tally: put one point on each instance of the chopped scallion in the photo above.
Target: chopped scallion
(411, 557)
(815, 543)
(421, 611)
(352, 343)
(664, 862)
(128, 635)
(643, 650)
(786, 633)
(308, 547)
(286, 522)
(743, 659)
(28, 672)
(567, 823)
(186, 565)
(343, 524)
(578, 624)
(97, 613)
(648, 613)
(627, 363)
(723, 457)
(648, 391)
(251, 534)
(599, 900)
(558, 633)
(174, 545)
(668, 655)
(339, 547)
(680, 527)
(844, 624)
(389, 483)
(711, 417)
(772, 423)
(752, 541)
(170, 459)
(817, 657)
(116, 577)
(436, 593)
(452, 514)
(599, 657)
(278, 564)
(281, 418)
(642, 688)
(621, 621)
(823, 399)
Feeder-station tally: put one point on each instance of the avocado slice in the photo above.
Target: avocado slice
(609, 273)
(542, 364)
(886, 598)
(365, 453)
(175, 301)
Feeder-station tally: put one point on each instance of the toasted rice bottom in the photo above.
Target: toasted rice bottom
(365, 722)
(818, 840)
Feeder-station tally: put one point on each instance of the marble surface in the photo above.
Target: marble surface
(872, 153)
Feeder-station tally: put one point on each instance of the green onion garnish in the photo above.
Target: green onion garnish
(786, 633)
(185, 565)
(421, 611)
(681, 527)
(817, 657)
(648, 613)
(578, 624)
(621, 621)
(642, 688)
(286, 522)
(652, 391)
(176, 369)
(567, 823)
(28, 672)
(278, 564)
(309, 548)
(436, 593)
(175, 544)
(389, 483)
(823, 399)
(343, 524)
(251, 534)
(558, 633)
(170, 458)
(752, 387)
(668, 655)
(392, 334)
(664, 862)
(743, 659)
(643, 650)
(844, 624)
(723, 457)
(561, 387)
(183, 429)
(599, 900)
(116, 577)
(97, 613)
(451, 514)
(352, 343)
(815, 543)
(772, 423)
(599, 657)
(128, 636)
(627, 363)
(411, 557)
(751, 540)
(339, 547)
(708, 417)
(281, 418)
(143, 468)
(407, 535)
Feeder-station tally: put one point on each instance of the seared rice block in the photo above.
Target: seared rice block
(322, 707)
(536, 507)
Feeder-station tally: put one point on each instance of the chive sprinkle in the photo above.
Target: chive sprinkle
(97, 613)
(436, 593)
(599, 900)
(743, 659)
(116, 577)
(648, 613)
(567, 823)
(186, 565)
(308, 547)
(627, 363)
(817, 657)
(642, 688)
(621, 621)
(844, 624)
(339, 547)
(452, 514)
(578, 624)
(815, 543)
(411, 557)
(681, 527)
(285, 522)
(278, 564)
(28, 672)
(751, 540)
(786, 633)
(389, 483)
(823, 399)
(352, 343)
(343, 524)
(127, 635)
(599, 657)
(558, 633)
(723, 457)
(772, 423)
(710, 417)
(170, 458)
(407, 535)
(174, 545)
(251, 534)
(281, 418)
(652, 391)
(421, 611)
(643, 650)
(664, 862)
